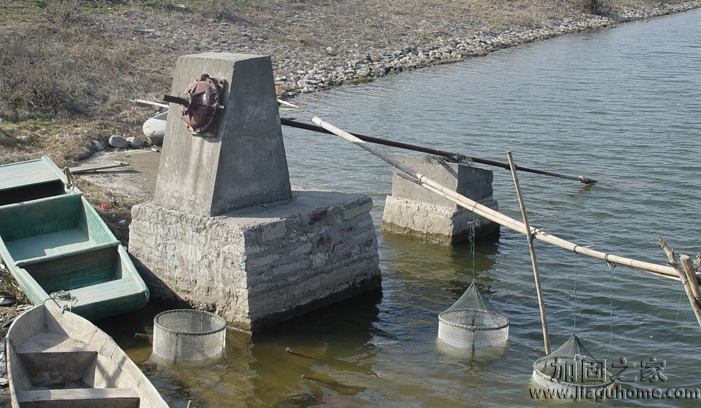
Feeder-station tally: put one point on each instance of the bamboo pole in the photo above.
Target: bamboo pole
(531, 248)
(287, 104)
(683, 277)
(86, 169)
(499, 218)
(691, 275)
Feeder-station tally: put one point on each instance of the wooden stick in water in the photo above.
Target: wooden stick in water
(688, 265)
(531, 248)
(683, 278)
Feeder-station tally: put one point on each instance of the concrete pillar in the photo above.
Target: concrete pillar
(413, 210)
(245, 163)
(226, 233)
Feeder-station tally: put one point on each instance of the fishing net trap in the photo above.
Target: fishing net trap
(472, 322)
(188, 335)
(571, 367)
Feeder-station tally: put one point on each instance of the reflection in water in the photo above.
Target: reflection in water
(297, 356)
(456, 355)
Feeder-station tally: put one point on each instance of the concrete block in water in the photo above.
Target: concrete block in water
(259, 265)
(413, 210)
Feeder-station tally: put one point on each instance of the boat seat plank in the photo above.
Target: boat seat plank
(53, 253)
(26, 173)
(106, 290)
(79, 398)
(50, 343)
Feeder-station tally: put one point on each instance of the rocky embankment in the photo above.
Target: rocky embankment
(454, 49)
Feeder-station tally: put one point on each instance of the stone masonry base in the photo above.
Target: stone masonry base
(435, 223)
(260, 265)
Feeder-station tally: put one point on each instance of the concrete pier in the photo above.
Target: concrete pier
(259, 265)
(225, 231)
(413, 210)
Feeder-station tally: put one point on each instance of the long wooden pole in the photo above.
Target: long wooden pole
(683, 277)
(534, 261)
(691, 275)
(499, 218)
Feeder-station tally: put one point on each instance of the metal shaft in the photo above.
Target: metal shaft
(452, 156)
(175, 99)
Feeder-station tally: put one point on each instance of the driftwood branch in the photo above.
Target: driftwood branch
(687, 276)
(86, 169)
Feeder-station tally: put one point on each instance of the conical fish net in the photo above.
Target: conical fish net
(472, 322)
(571, 367)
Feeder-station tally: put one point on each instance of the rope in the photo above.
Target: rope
(611, 266)
(472, 225)
(574, 295)
(679, 305)
(65, 296)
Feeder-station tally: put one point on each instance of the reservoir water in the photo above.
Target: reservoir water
(620, 105)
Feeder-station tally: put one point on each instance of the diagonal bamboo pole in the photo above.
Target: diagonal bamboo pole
(499, 218)
(531, 248)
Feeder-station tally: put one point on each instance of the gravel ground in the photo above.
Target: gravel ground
(336, 43)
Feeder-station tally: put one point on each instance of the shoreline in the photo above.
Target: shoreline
(456, 49)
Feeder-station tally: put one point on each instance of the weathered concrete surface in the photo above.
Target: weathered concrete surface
(245, 163)
(413, 210)
(260, 265)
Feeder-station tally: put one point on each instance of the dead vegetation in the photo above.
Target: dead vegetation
(69, 69)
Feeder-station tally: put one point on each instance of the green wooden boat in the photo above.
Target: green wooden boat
(57, 246)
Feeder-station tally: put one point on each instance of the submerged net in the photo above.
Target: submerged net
(188, 335)
(472, 322)
(571, 367)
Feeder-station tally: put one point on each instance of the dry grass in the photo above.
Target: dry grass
(66, 141)
(69, 64)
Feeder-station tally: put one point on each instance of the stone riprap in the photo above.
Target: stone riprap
(413, 210)
(452, 49)
(260, 265)
(300, 69)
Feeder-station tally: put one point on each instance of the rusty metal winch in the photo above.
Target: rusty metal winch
(201, 104)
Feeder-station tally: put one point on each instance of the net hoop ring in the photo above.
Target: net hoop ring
(442, 317)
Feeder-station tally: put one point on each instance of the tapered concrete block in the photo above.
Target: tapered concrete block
(244, 164)
(225, 232)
